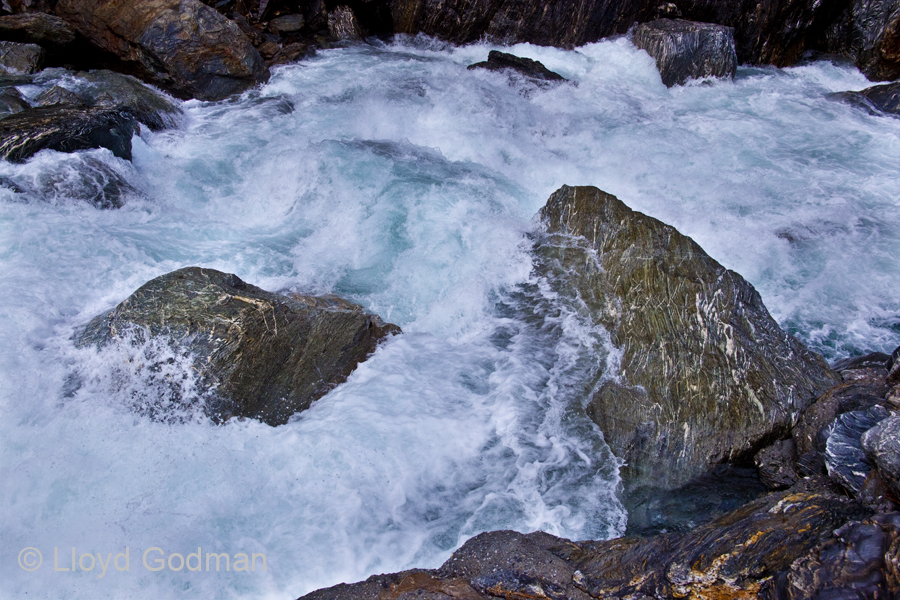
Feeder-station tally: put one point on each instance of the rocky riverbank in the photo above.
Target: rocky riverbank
(831, 441)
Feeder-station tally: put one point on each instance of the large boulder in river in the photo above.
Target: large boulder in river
(265, 355)
(501, 61)
(183, 46)
(688, 50)
(706, 375)
(66, 128)
(16, 58)
(882, 446)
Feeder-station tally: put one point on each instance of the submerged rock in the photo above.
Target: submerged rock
(501, 61)
(183, 46)
(18, 58)
(687, 50)
(113, 90)
(706, 375)
(264, 355)
(65, 128)
(758, 550)
(876, 99)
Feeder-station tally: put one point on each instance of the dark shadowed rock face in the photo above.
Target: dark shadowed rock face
(762, 550)
(182, 46)
(687, 50)
(776, 465)
(875, 38)
(65, 128)
(267, 356)
(706, 375)
(37, 28)
(501, 61)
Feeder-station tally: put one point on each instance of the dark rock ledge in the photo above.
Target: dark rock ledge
(831, 440)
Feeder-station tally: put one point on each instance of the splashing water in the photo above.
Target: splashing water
(393, 176)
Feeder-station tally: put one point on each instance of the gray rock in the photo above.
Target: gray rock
(688, 50)
(501, 61)
(343, 24)
(11, 102)
(65, 129)
(18, 58)
(844, 456)
(57, 95)
(113, 90)
(881, 444)
(287, 24)
(706, 375)
(258, 354)
(776, 465)
(48, 31)
(183, 46)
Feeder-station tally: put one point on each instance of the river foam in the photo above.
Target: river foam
(393, 176)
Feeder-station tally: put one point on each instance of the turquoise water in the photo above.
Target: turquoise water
(393, 176)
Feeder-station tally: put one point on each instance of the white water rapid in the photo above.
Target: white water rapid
(393, 176)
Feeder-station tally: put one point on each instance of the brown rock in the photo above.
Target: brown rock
(182, 46)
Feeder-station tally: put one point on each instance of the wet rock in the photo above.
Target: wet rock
(501, 61)
(107, 89)
(65, 129)
(57, 95)
(18, 58)
(861, 560)
(706, 375)
(343, 25)
(736, 556)
(844, 456)
(893, 366)
(875, 38)
(183, 46)
(881, 445)
(873, 360)
(87, 179)
(46, 30)
(287, 24)
(776, 465)
(11, 102)
(265, 356)
(687, 50)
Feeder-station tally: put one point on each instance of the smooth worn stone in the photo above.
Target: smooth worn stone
(259, 354)
(16, 58)
(501, 61)
(844, 456)
(65, 129)
(108, 89)
(687, 50)
(343, 24)
(881, 445)
(287, 24)
(183, 46)
(706, 375)
(776, 465)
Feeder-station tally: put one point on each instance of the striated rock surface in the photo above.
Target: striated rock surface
(65, 128)
(501, 61)
(881, 444)
(875, 38)
(776, 465)
(183, 46)
(107, 89)
(37, 28)
(706, 375)
(343, 24)
(844, 457)
(263, 355)
(781, 546)
(687, 50)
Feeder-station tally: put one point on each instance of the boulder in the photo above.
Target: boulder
(881, 444)
(287, 25)
(875, 38)
(763, 549)
(776, 465)
(343, 24)
(183, 46)
(501, 61)
(259, 354)
(65, 128)
(876, 99)
(18, 58)
(48, 31)
(706, 375)
(107, 89)
(844, 456)
(55, 95)
(11, 102)
(687, 50)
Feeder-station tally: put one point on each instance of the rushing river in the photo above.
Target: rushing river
(395, 177)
